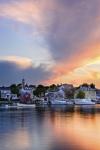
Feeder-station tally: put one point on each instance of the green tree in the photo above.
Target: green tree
(52, 87)
(92, 86)
(85, 84)
(40, 91)
(0, 94)
(14, 89)
(81, 95)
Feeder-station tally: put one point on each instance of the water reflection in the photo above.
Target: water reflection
(50, 128)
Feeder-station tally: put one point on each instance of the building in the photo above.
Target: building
(67, 86)
(5, 93)
(90, 93)
(26, 92)
(98, 94)
(68, 90)
(14, 97)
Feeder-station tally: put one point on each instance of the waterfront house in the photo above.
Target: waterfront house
(14, 97)
(68, 90)
(90, 93)
(98, 94)
(5, 93)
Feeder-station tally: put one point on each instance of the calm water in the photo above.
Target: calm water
(65, 128)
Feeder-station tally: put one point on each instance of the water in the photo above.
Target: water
(64, 128)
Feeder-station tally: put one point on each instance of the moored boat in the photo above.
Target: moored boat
(20, 105)
(84, 102)
(61, 102)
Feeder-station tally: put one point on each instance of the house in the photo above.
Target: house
(90, 93)
(68, 90)
(5, 92)
(60, 92)
(67, 86)
(14, 97)
(98, 94)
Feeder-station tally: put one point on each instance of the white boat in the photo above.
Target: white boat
(20, 105)
(7, 106)
(69, 102)
(61, 102)
(10, 106)
(84, 102)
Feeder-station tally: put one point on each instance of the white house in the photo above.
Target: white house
(5, 92)
(90, 93)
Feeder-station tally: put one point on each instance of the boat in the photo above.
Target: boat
(61, 102)
(10, 106)
(69, 102)
(84, 102)
(21, 105)
(7, 106)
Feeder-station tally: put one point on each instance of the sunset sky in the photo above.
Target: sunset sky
(50, 41)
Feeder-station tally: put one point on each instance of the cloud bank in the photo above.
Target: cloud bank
(71, 29)
(13, 72)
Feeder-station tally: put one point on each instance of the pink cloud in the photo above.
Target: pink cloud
(71, 32)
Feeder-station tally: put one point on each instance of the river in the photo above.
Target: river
(54, 128)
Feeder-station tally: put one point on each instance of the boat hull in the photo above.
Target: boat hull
(60, 102)
(84, 102)
(25, 105)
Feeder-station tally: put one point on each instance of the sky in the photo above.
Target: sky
(50, 41)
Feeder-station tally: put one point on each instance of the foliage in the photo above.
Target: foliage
(85, 85)
(14, 89)
(81, 95)
(52, 87)
(92, 86)
(19, 85)
(69, 93)
(40, 91)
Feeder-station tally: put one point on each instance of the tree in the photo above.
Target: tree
(0, 94)
(52, 87)
(81, 95)
(14, 89)
(85, 85)
(40, 91)
(92, 86)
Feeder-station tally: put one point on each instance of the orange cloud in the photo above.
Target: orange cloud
(22, 62)
(77, 69)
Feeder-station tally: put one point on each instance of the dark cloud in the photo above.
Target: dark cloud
(66, 25)
(13, 73)
(70, 26)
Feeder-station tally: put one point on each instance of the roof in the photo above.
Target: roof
(84, 88)
(4, 88)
